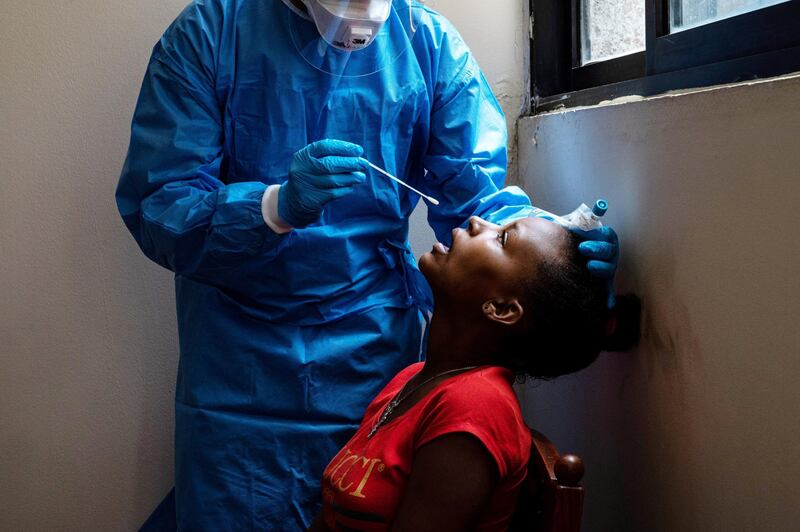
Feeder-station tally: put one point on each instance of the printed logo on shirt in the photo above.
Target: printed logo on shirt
(339, 472)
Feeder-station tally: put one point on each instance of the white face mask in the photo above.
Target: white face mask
(348, 24)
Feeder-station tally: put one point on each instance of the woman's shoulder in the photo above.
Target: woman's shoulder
(492, 384)
(401, 378)
(480, 402)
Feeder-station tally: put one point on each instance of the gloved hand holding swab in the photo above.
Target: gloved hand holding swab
(393, 178)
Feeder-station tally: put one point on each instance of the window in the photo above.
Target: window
(610, 29)
(686, 14)
(586, 51)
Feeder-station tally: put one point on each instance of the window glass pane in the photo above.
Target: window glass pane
(611, 28)
(689, 13)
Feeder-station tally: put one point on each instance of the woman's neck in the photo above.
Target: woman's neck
(453, 344)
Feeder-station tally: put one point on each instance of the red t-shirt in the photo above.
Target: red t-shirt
(363, 485)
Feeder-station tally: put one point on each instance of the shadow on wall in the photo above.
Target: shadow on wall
(642, 393)
(655, 394)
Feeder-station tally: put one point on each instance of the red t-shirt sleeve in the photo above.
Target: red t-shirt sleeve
(486, 409)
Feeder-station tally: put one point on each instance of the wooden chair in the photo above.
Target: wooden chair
(551, 500)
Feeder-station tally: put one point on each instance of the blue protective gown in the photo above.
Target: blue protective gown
(284, 339)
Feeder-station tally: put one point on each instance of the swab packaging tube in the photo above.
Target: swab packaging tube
(585, 218)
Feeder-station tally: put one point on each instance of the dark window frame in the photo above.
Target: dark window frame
(753, 45)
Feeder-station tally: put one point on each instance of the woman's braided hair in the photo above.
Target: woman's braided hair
(564, 324)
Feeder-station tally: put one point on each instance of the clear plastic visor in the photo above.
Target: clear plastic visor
(389, 40)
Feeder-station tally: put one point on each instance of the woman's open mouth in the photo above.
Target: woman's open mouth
(440, 248)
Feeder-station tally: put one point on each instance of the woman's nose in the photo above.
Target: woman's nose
(476, 225)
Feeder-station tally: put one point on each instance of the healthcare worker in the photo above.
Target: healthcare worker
(297, 294)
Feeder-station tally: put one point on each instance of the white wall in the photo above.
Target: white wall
(87, 329)
(697, 429)
(497, 33)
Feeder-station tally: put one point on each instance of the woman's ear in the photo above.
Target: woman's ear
(503, 311)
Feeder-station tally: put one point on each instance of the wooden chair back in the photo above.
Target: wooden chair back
(551, 500)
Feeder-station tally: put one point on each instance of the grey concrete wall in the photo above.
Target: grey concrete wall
(697, 429)
(87, 329)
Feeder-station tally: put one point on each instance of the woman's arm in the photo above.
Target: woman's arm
(451, 481)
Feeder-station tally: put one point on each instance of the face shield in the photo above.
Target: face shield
(349, 25)
(352, 37)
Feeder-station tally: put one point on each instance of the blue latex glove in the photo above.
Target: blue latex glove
(601, 247)
(321, 172)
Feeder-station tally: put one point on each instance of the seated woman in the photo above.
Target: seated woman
(444, 446)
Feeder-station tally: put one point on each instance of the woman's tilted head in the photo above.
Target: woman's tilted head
(526, 289)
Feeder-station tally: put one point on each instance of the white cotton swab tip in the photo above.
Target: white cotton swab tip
(390, 176)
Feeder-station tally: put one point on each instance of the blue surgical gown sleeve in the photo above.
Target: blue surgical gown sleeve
(171, 193)
(467, 154)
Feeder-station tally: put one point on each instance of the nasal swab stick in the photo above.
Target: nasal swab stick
(393, 178)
